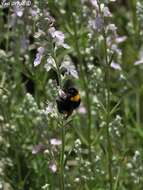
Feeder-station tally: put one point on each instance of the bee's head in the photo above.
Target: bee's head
(73, 94)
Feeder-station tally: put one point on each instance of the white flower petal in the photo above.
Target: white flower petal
(139, 62)
(115, 66)
(41, 50)
(39, 56)
(53, 166)
(37, 60)
(55, 142)
(50, 63)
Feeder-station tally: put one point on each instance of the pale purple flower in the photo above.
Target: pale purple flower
(33, 12)
(115, 66)
(55, 142)
(53, 166)
(82, 110)
(94, 4)
(18, 11)
(58, 37)
(120, 39)
(24, 43)
(97, 24)
(39, 56)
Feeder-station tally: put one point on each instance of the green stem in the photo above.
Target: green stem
(58, 70)
(109, 145)
(85, 86)
(138, 108)
(62, 181)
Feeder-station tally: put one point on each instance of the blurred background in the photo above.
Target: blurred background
(99, 46)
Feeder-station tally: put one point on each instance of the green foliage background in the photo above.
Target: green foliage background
(99, 154)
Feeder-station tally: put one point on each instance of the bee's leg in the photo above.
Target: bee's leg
(68, 113)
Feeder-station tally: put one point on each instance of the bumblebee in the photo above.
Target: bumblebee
(68, 100)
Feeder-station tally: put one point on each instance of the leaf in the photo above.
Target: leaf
(138, 131)
(81, 136)
(117, 179)
(97, 136)
(115, 108)
(103, 107)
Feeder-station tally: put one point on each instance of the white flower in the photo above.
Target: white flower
(39, 56)
(137, 153)
(106, 12)
(55, 142)
(50, 108)
(45, 186)
(139, 62)
(77, 179)
(115, 48)
(112, 27)
(97, 158)
(115, 66)
(50, 63)
(77, 143)
(69, 66)
(94, 4)
(129, 165)
(53, 167)
(2, 53)
(58, 37)
(120, 39)
(62, 94)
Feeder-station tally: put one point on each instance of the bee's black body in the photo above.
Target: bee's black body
(66, 105)
(69, 102)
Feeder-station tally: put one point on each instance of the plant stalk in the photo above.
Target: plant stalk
(85, 86)
(62, 181)
(109, 145)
